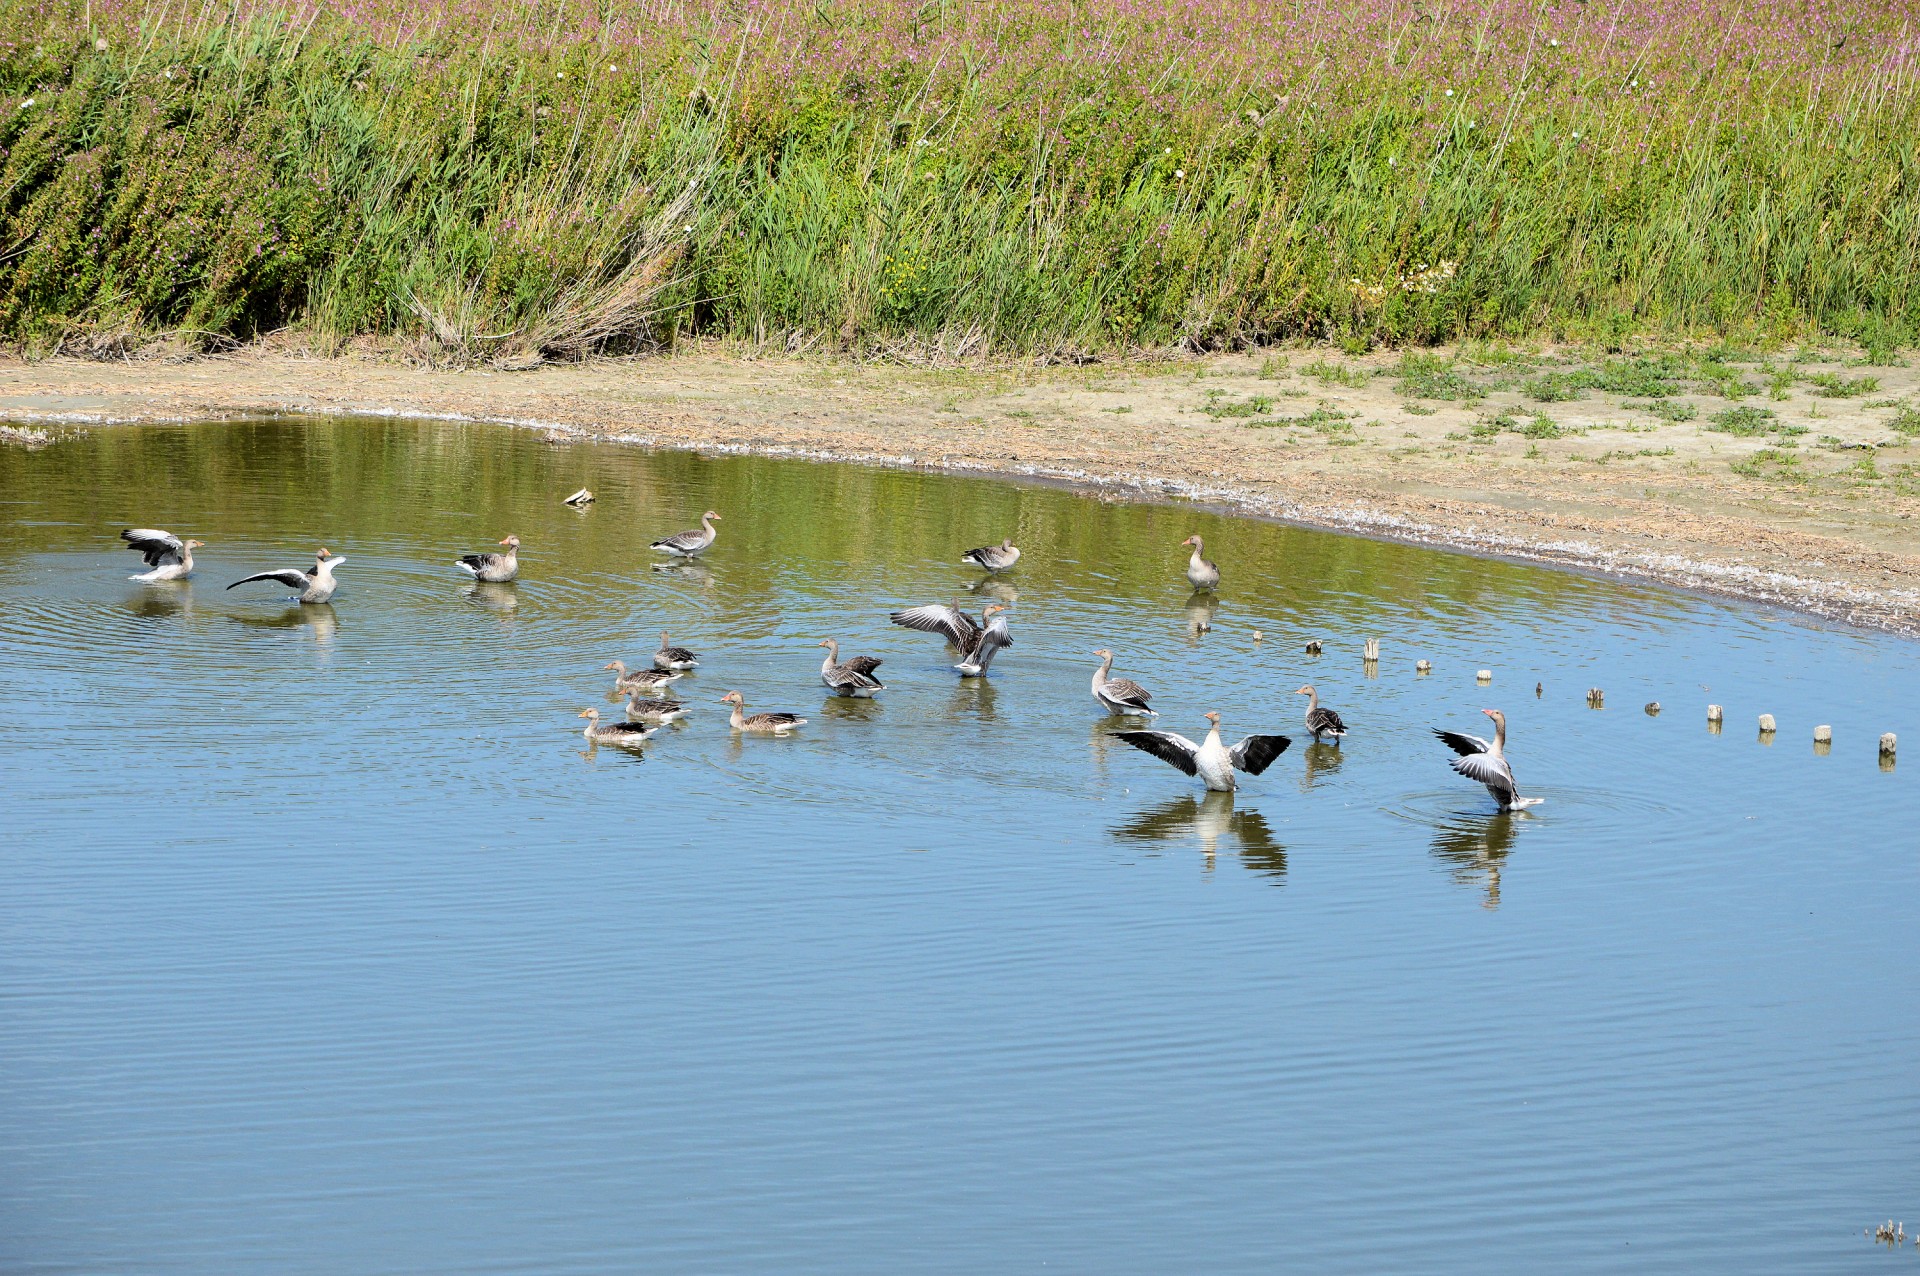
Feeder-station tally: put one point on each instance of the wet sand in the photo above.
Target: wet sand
(1823, 521)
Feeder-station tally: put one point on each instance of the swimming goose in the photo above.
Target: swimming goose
(1119, 695)
(978, 642)
(671, 657)
(643, 709)
(496, 568)
(765, 723)
(850, 677)
(1487, 763)
(640, 679)
(625, 734)
(170, 557)
(1212, 761)
(315, 586)
(1203, 574)
(687, 544)
(1321, 721)
(995, 558)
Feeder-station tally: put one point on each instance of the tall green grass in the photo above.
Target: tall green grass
(489, 196)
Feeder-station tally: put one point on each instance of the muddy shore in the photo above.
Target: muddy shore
(1815, 511)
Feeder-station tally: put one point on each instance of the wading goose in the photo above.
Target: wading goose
(1212, 761)
(495, 568)
(315, 586)
(640, 679)
(995, 558)
(625, 734)
(1203, 574)
(763, 723)
(1321, 721)
(850, 677)
(687, 544)
(978, 640)
(1119, 695)
(672, 657)
(170, 557)
(1487, 763)
(641, 709)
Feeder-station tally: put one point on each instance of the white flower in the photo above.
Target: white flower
(1449, 92)
(101, 44)
(559, 75)
(1553, 44)
(1390, 161)
(1576, 137)
(1179, 172)
(24, 105)
(613, 70)
(1168, 151)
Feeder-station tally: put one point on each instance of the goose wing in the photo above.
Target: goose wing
(291, 576)
(1257, 752)
(1168, 746)
(1461, 743)
(1485, 768)
(1326, 720)
(160, 549)
(850, 673)
(478, 563)
(862, 665)
(683, 541)
(937, 618)
(1127, 691)
(776, 720)
(627, 730)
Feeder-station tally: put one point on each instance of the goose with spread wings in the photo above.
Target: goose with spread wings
(853, 676)
(315, 586)
(688, 544)
(168, 557)
(1213, 762)
(1486, 762)
(978, 640)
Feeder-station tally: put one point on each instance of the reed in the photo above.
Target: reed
(547, 178)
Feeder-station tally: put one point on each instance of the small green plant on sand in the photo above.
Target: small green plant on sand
(1552, 387)
(1429, 376)
(1327, 372)
(1743, 422)
(1831, 385)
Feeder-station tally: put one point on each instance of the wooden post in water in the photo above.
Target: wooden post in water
(1596, 698)
(1313, 647)
(1887, 743)
(1423, 668)
(1766, 728)
(1484, 676)
(1653, 708)
(1822, 740)
(1372, 650)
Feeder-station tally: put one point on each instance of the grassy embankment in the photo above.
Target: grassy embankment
(517, 180)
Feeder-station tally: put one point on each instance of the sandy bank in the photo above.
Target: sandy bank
(1814, 511)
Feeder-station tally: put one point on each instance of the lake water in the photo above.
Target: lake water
(326, 945)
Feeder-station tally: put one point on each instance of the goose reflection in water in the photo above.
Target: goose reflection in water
(851, 708)
(1321, 760)
(1000, 591)
(496, 596)
(1201, 608)
(162, 600)
(973, 698)
(1474, 847)
(1208, 820)
(320, 617)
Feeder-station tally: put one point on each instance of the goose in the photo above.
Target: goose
(1321, 721)
(1203, 574)
(672, 657)
(764, 723)
(687, 544)
(1487, 763)
(978, 640)
(1119, 695)
(640, 679)
(315, 586)
(625, 734)
(170, 557)
(995, 558)
(660, 712)
(1212, 761)
(495, 568)
(851, 677)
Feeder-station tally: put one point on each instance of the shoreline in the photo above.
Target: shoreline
(1841, 555)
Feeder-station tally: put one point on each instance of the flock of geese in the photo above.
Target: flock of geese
(651, 702)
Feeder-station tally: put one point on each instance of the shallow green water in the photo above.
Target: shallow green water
(328, 945)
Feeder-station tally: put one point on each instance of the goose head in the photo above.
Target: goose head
(831, 644)
(511, 542)
(1104, 654)
(710, 515)
(194, 544)
(1499, 718)
(1191, 540)
(1212, 717)
(590, 713)
(1305, 691)
(991, 609)
(618, 666)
